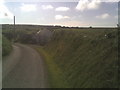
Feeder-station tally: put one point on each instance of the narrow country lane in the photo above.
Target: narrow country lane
(24, 68)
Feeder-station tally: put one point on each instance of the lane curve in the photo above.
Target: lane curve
(24, 68)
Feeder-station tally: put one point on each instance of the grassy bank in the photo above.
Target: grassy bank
(82, 58)
(55, 75)
(6, 46)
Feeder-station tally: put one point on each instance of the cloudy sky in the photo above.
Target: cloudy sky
(79, 13)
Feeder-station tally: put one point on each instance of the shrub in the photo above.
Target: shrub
(6, 46)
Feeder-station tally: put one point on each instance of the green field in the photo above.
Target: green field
(76, 57)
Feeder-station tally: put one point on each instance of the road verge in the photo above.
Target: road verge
(56, 77)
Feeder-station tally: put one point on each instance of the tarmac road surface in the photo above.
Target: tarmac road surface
(23, 68)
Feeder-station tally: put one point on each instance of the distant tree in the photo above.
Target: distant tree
(90, 27)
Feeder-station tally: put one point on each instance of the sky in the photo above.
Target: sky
(80, 13)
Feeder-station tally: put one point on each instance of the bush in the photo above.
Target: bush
(6, 46)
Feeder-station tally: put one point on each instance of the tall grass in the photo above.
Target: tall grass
(86, 58)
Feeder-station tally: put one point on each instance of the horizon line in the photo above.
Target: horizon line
(66, 26)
